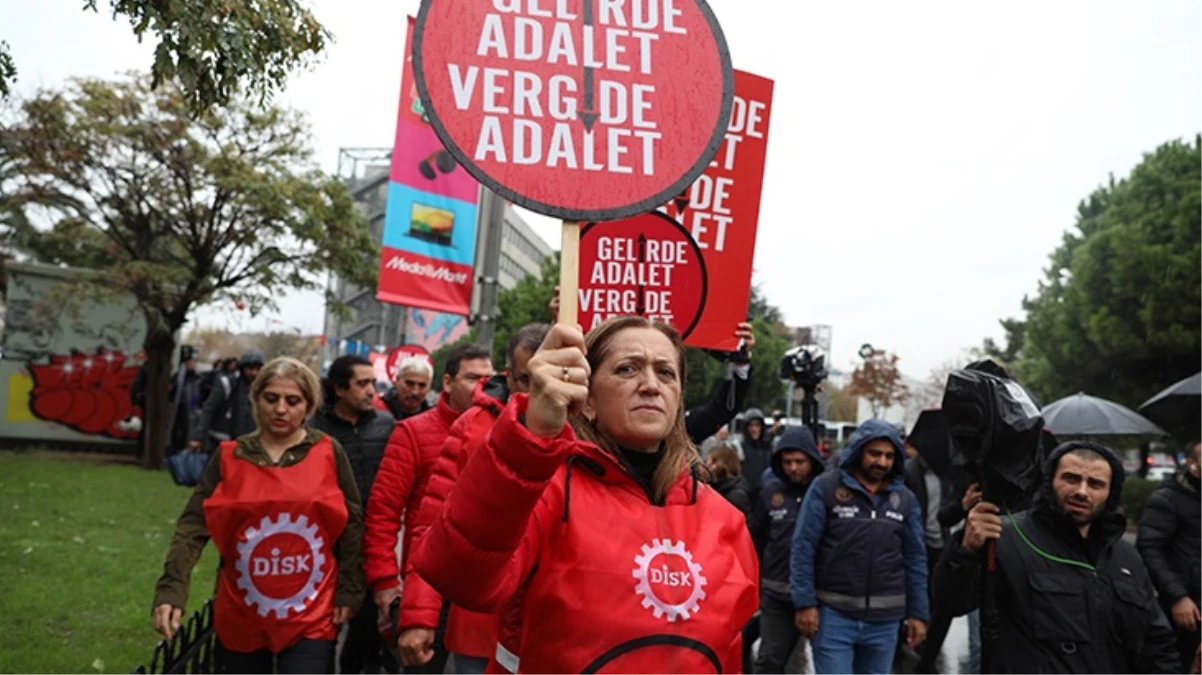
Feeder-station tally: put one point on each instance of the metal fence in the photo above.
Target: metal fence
(193, 648)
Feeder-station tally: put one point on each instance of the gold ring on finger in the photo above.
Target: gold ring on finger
(567, 375)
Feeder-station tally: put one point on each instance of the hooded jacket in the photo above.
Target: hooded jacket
(1168, 540)
(612, 581)
(364, 441)
(776, 515)
(227, 412)
(1066, 604)
(757, 454)
(860, 554)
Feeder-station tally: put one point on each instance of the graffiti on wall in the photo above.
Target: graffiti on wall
(88, 392)
(432, 329)
(68, 367)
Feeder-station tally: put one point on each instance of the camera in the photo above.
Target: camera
(805, 365)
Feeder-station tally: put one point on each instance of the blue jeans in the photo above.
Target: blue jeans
(468, 665)
(846, 645)
(974, 641)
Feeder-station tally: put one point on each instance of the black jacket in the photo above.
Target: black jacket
(1169, 538)
(704, 420)
(392, 399)
(735, 490)
(757, 454)
(363, 441)
(184, 393)
(227, 411)
(1066, 604)
(951, 510)
(776, 514)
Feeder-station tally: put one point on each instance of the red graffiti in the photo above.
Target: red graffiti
(87, 392)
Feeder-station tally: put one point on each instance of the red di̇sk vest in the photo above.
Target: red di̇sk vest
(625, 586)
(275, 528)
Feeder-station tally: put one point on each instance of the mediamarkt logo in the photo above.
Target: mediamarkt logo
(426, 270)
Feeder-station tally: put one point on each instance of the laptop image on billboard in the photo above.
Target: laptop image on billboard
(431, 224)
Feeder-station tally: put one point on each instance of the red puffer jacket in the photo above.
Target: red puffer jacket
(468, 633)
(411, 452)
(611, 581)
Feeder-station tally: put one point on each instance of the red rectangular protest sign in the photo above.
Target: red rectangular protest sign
(692, 268)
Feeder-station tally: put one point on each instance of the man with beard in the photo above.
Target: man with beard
(859, 560)
(1169, 543)
(1072, 596)
(349, 418)
(795, 464)
(408, 398)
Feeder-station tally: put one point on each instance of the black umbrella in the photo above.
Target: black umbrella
(1083, 415)
(1178, 406)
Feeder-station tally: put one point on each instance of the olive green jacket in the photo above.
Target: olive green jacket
(191, 533)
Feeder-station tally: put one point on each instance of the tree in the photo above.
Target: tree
(1118, 312)
(758, 306)
(8, 70)
(772, 341)
(929, 394)
(527, 302)
(879, 381)
(1009, 355)
(178, 210)
(841, 405)
(212, 49)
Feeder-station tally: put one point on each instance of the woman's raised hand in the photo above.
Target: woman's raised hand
(559, 377)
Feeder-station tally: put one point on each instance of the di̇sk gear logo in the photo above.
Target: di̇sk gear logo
(311, 560)
(664, 576)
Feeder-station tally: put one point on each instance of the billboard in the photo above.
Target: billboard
(429, 245)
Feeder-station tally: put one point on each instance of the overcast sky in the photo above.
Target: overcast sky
(923, 161)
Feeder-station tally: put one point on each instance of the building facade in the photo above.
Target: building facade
(383, 324)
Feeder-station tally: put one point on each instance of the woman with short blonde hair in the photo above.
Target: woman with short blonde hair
(280, 504)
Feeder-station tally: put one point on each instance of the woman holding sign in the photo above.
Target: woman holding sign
(627, 561)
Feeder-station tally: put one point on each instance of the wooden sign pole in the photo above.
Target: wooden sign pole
(569, 274)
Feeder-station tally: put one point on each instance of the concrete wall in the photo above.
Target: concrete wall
(67, 366)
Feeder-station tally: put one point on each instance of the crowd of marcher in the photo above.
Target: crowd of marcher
(570, 515)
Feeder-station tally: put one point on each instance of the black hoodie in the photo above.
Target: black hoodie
(776, 514)
(757, 454)
(1065, 604)
(1169, 534)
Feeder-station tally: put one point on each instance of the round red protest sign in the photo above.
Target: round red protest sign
(400, 354)
(647, 265)
(579, 109)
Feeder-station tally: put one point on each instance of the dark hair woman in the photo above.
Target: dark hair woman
(281, 505)
(726, 477)
(626, 561)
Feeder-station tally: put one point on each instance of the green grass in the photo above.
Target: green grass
(81, 545)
